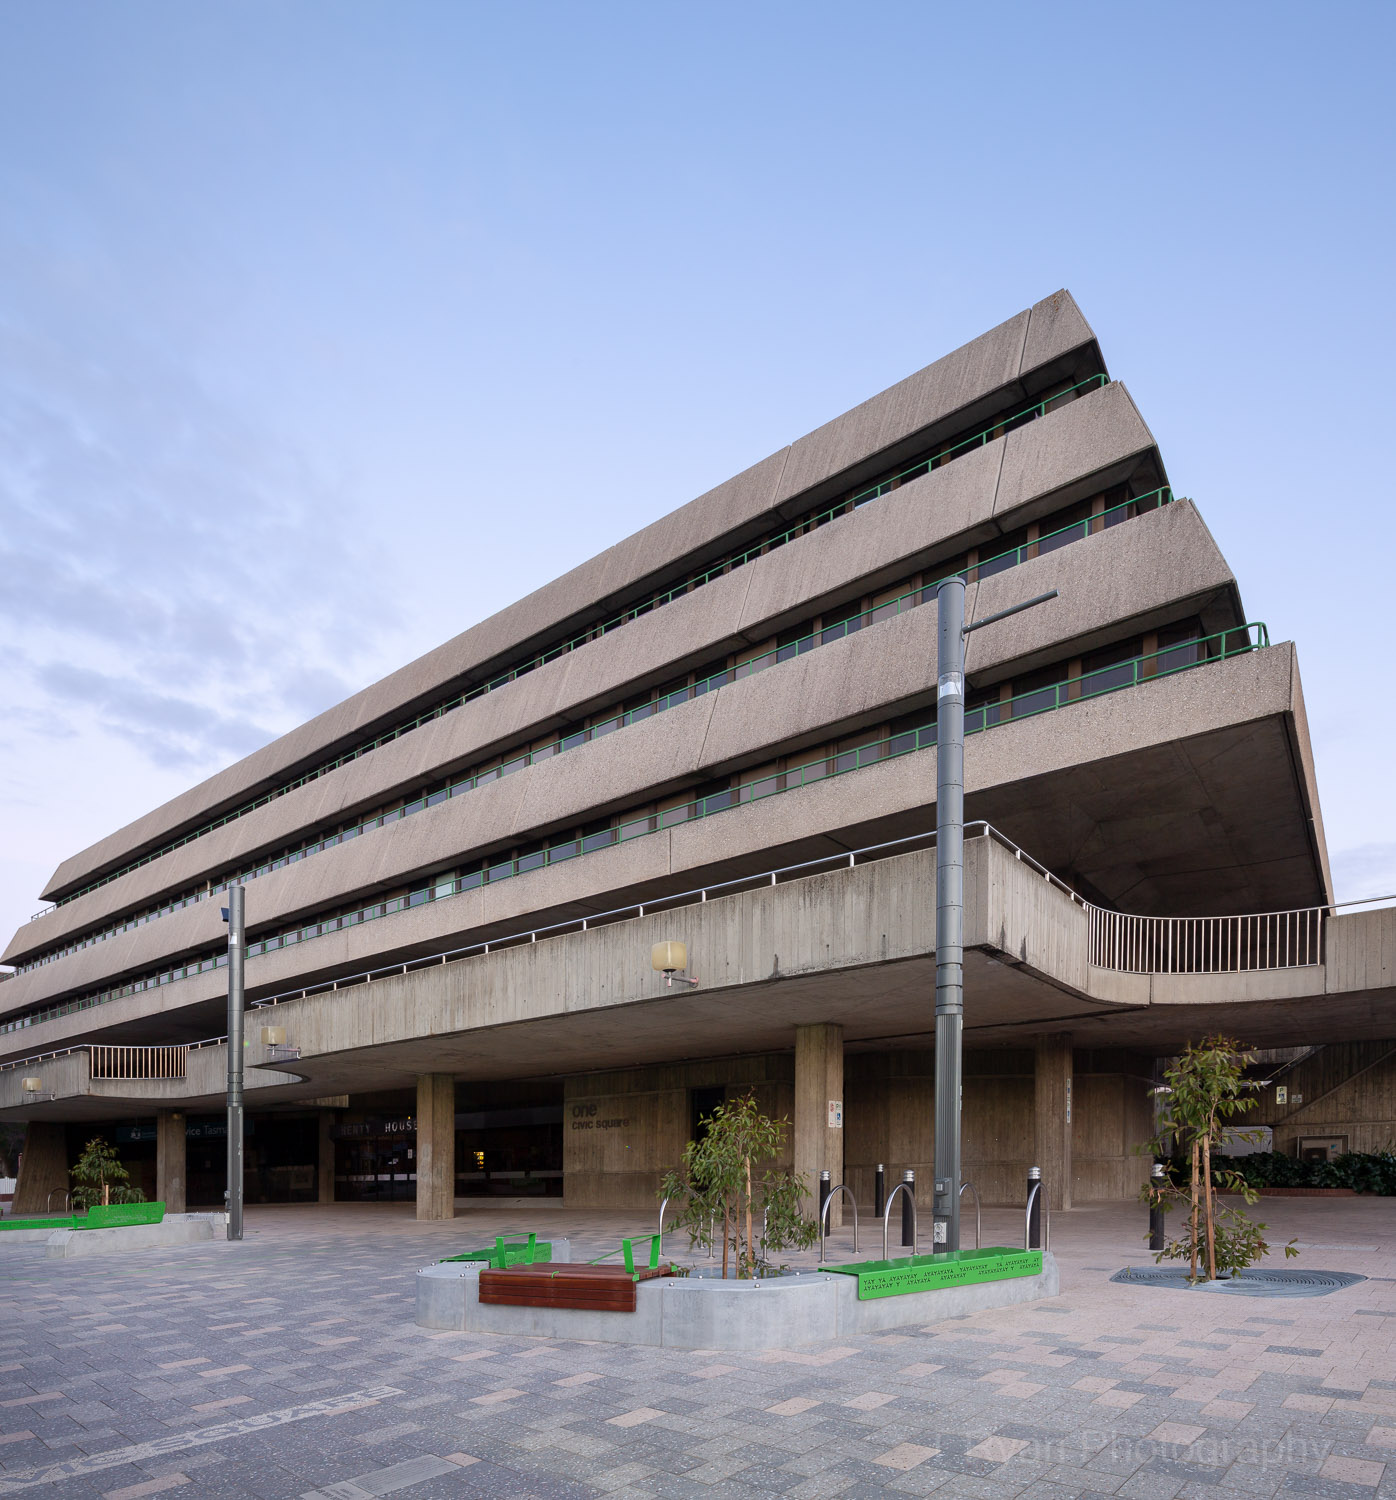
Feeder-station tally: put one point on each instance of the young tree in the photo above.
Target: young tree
(717, 1181)
(99, 1178)
(1204, 1088)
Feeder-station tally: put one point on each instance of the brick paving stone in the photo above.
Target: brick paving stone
(204, 1345)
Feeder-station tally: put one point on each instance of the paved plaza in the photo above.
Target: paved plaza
(290, 1366)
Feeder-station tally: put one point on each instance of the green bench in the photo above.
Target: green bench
(112, 1216)
(505, 1253)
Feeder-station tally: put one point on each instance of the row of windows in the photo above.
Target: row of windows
(1150, 656)
(1069, 525)
(940, 454)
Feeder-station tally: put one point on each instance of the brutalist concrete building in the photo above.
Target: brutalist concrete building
(722, 732)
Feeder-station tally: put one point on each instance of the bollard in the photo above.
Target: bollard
(1157, 1229)
(880, 1190)
(908, 1224)
(1035, 1192)
(823, 1192)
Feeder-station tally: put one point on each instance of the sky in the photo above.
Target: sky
(328, 329)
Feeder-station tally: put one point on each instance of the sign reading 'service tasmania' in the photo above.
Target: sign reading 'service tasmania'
(929, 1273)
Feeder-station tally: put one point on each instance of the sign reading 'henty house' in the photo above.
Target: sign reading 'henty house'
(929, 1273)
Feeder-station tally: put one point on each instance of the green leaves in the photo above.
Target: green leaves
(717, 1192)
(1207, 1086)
(99, 1177)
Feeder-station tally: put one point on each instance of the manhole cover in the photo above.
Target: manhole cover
(1252, 1283)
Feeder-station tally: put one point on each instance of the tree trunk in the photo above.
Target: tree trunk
(1208, 1208)
(1192, 1222)
(750, 1247)
(726, 1238)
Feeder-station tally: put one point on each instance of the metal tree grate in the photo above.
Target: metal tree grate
(1261, 1282)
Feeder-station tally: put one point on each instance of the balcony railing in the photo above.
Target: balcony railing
(139, 1062)
(942, 455)
(1207, 945)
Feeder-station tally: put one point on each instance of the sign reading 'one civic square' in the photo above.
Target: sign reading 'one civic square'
(929, 1273)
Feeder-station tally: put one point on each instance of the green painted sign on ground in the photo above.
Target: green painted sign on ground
(933, 1273)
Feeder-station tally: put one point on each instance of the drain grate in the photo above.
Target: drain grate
(1251, 1283)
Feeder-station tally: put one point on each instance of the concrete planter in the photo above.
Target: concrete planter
(173, 1229)
(708, 1313)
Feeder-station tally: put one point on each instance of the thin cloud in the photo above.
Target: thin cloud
(166, 565)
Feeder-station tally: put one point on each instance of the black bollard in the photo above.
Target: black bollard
(1157, 1228)
(880, 1190)
(908, 1208)
(823, 1192)
(1035, 1192)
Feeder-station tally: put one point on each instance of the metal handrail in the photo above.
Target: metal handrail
(662, 1207)
(841, 1187)
(902, 1187)
(969, 1187)
(67, 1200)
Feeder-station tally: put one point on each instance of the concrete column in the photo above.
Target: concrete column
(818, 1084)
(170, 1174)
(43, 1168)
(325, 1159)
(436, 1146)
(1053, 1110)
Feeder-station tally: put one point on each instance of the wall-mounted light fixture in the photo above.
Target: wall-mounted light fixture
(274, 1040)
(668, 958)
(34, 1090)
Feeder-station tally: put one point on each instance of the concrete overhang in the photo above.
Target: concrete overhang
(1162, 566)
(851, 945)
(1204, 761)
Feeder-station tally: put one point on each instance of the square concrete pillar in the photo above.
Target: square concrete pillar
(170, 1177)
(1053, 1111)
(324, 1168)
(818, 1092)
(436, 1146)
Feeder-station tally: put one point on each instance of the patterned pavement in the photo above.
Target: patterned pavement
(289, 1366)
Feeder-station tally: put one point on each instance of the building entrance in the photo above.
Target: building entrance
(375, 1159)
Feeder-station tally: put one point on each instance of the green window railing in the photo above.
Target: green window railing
(1135, 671)
(825, 635)
(934, 460)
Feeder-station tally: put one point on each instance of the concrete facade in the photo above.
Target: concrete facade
(1141, 751)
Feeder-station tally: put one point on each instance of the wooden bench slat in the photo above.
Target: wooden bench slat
(588, 1288)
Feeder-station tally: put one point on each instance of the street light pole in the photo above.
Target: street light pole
(234, 914)
(950, 897)
(950, 908)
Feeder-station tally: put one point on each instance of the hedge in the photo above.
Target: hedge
(1364, 1172)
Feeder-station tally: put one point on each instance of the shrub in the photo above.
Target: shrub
(1206, 1087)
(1364, 1172)
(99, 1178)
(716, 1185)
